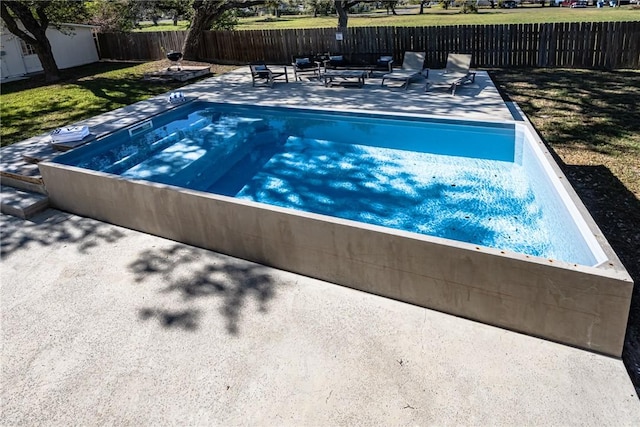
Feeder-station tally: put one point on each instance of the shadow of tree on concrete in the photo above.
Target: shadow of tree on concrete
(52, 226)
(193, 273)
(185, 319)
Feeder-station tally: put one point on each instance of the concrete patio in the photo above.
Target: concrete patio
(105, 325)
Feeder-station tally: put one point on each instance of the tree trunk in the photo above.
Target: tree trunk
(422, 7)
(38, 34)
(45, 55)
(202, 21)
(343, 18)
(206, 12)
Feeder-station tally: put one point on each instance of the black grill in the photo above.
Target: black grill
(175, 58)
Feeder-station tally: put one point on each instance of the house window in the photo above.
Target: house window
(27, 49)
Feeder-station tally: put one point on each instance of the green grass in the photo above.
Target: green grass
(146, 27)
(436, 16)
(588, 117)
(30, 107)
(432, 17)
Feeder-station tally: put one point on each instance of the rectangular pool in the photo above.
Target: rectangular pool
(282, 187)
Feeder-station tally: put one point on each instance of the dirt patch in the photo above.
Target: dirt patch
(163, 64)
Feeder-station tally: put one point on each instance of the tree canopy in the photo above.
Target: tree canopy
(206, 12)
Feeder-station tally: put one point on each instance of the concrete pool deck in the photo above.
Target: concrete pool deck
(105, 325)
(479, 100)
(102, 324)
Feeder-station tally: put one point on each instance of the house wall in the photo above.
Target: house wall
(71, 48)
(11, 57)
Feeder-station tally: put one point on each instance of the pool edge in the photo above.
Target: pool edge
(581, 306)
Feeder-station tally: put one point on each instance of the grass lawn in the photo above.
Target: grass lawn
(434, 17)
(588, 117)
(29, 107)
(408, 17)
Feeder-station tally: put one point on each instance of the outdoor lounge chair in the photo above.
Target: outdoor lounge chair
(305, 65)
(455, 74)
(412, 67)
(264, 76)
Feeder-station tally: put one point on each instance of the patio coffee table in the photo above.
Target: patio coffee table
(344, 77)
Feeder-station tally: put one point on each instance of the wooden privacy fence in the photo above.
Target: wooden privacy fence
(607, 45)
(139, 46)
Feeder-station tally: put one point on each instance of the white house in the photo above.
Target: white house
(71, 47)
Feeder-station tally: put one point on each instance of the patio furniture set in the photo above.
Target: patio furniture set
(352, 70)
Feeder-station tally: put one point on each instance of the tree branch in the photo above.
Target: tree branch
(12, 25)
(241, 4)
(40, 11)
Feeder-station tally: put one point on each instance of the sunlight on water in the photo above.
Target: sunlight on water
(465, 199)
(468, 182)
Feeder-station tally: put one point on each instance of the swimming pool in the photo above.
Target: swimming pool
(465, 217)
(470, 182)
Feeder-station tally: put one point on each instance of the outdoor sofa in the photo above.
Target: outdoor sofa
(369, 62)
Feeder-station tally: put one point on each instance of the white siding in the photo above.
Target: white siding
(76, 48)
(11, 57)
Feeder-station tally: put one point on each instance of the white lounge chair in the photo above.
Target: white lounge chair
(412, 67)
(455, 74)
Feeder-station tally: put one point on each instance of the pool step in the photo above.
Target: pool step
(18, 164)
(20, 203)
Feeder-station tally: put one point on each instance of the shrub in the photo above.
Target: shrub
(469, 6)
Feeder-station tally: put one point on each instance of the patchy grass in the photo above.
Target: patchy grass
(591, 120)
(588, 117)
(31, 107)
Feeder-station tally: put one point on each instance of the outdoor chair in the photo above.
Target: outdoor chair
(264, 76)
(305, 65)
(412, 67)
(455, 74)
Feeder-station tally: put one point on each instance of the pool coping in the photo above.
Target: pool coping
(591, 311)
(213, 89)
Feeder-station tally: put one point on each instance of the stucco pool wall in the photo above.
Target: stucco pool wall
(584, 306)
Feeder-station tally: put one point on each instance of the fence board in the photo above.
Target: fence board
(583, 45)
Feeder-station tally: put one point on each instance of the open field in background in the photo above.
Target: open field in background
(432, 17)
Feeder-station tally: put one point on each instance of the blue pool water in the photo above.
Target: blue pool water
(475, 183)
